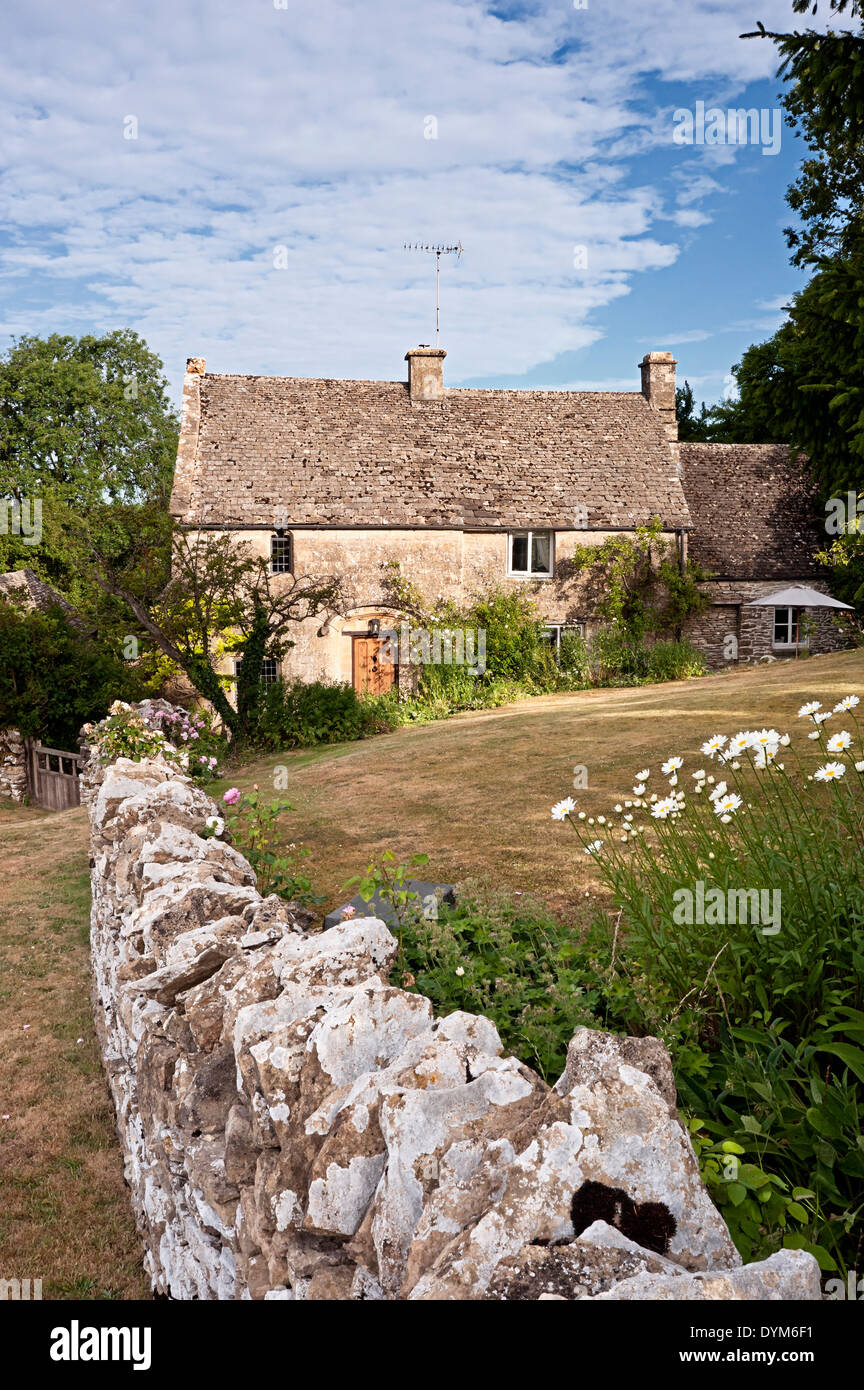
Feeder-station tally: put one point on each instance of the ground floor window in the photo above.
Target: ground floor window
(269, 669)
(787, 629)
(553, 632)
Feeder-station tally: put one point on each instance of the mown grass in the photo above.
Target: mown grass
(64, 1208)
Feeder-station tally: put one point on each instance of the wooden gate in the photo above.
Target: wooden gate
(54, 777)
(371, 674)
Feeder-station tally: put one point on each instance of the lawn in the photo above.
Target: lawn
(474, 792)
(64, 1209)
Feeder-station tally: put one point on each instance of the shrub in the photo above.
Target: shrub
(54, 677)
(296, 714)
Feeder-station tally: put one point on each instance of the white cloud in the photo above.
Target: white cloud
(304, 128)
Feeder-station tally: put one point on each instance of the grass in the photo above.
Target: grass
(64, 1208)
(475, 791)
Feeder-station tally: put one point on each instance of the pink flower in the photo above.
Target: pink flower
(349, 911)
(232, 796)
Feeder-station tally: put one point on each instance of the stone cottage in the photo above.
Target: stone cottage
(469, 488)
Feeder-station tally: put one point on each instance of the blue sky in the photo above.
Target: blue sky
(280, 156)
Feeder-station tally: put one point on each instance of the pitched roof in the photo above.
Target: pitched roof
(755, 513)
(362, 453)
(32, 592)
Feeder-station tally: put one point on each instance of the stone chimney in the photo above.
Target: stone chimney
(658, 387)
(196, 366)
(426, 373)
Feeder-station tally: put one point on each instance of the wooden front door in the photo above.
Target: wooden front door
(372, 676)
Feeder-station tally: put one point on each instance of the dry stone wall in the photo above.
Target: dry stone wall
(13, 765)
(294, 1127)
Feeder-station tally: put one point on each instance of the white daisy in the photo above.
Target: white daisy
(830, 772)
(849, 703)
(661, 809)
(738, 744)
(562, 809)
(639, 789)
(713, 745)
(765, 738)
(820, 718)
(838, 743)
(643, 775)
(671, 765)
(810, 708)
(726, 805)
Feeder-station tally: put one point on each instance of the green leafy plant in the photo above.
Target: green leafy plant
(254, 827)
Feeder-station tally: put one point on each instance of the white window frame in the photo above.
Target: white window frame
(559, 628)
(269, 679)
(531, 574)
(790, 643)
(290, 542)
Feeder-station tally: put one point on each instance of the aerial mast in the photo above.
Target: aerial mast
(438, 251)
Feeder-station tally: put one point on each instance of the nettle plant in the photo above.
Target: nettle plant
(737, 935)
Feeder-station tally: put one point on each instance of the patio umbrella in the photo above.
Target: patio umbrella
(797, 597)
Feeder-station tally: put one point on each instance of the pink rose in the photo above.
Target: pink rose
(232, 796)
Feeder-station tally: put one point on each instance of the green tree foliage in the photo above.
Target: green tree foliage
(86, 428)
(692, 428)
(54, 677)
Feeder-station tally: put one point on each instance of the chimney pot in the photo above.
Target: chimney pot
(658, 387)
(426, 373)
(196, 366)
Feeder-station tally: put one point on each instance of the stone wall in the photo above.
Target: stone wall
(294, 1127)
(730, 633)
(14, 781)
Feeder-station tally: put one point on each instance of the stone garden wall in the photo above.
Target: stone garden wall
(295, 1127)
(13, 765)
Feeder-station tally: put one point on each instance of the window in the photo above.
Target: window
(553, 632)
(280, 554)
(530, 553)
(269, 669)
(787, 632)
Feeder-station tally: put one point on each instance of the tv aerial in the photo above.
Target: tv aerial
(437, 251)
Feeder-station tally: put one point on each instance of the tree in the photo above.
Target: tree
(54, 677)
(691, 427)
(825, 76)
(88, 432)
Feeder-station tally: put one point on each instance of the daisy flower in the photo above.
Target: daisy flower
(727, 805)
(562, 809)
(838, 743)
(830, 772)
(809, 708)
(849, 703)
(713, 745)
(639, 789)
(738, 744)
(820, 718)
(661, 809)
(765, 738)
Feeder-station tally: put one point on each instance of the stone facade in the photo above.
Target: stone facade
(295, 1127)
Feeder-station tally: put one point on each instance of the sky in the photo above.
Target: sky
(236, 179)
